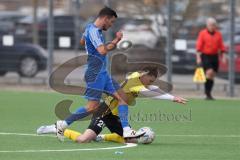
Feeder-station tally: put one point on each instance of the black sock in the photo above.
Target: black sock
(211, 83)
(208, 86)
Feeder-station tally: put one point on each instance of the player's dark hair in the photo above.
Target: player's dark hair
(151, 71)
(106, 11)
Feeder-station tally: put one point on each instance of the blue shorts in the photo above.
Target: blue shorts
(101, 83)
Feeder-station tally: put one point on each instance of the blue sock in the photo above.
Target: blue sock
(123, 115)
(80, 113)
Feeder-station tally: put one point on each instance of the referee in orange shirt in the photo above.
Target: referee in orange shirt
(209, 45)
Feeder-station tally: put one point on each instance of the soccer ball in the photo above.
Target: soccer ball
(148, 137)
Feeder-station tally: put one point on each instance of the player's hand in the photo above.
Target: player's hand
(224, 58)
(82, 42)
(119, 35)
(180, 100)
(199, 60)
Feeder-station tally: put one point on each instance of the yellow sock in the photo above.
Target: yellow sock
(71, 134)
(114, 138)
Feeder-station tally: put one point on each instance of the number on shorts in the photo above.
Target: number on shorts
(100, 123)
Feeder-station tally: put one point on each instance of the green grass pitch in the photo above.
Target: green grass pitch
(199, 130)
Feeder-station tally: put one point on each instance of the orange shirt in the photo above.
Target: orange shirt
(210, 44)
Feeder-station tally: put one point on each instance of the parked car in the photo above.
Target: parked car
(64, 26)
(136, 54)
(26, 59)
(190, 29)
(224, 67)
(8, 21)
(184, 60)
(138, 31)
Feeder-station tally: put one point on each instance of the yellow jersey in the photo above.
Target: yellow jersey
(131, 86)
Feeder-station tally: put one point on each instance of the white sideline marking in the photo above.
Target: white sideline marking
(127, 145)
(199, 135)
(26, 134)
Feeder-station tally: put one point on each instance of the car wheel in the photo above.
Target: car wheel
(2, 73)
(28, 67)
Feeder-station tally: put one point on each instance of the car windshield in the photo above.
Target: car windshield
(29, 20)
(139, 24)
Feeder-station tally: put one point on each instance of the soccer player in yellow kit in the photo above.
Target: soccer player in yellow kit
(136, 84)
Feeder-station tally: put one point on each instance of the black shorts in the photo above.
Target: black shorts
(210, 62)
(112, 122)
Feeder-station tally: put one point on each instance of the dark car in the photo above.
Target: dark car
(26, 59)
(64, 26)
(8, 21)
(184, 60)
(136, 55)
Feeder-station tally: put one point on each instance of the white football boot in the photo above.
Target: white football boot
(60, 127)
(50, 129)
(130, 133)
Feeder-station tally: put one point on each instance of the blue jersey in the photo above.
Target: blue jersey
(96, 76)
(96, 62)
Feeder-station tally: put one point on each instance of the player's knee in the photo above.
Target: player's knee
(210, 73)
(82, 140)
(92, 108)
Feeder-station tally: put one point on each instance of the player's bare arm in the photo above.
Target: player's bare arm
(104, 49)
(155, 92)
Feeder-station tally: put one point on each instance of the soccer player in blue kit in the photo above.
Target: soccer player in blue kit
(96, 76)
